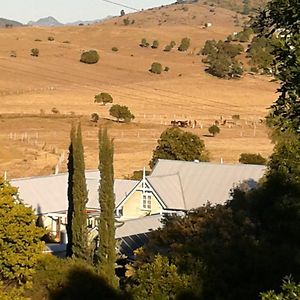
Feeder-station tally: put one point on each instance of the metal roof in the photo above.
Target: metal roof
(48, 194)
(187, 185)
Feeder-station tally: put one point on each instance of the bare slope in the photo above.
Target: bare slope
(31, 85)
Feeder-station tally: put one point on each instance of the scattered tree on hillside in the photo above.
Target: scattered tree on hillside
(94, 117)
(176, 144)
(122, 13)
(35, 52)
(155, 44)
(126, 21)
(252, 159)
(90, 57)
(121, 112)
(78, 198)
(214, 129)
(106, 253)
(185, 44)
(156, 68)
(20, 238)
(103, 98)
(144, 43)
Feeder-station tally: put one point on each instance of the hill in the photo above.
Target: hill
(9, 23)
(34, 136)
(45, 22)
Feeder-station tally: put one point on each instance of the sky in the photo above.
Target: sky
(69, 10)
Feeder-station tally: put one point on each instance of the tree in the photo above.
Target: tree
(159, 279)
(252, 159)
(78, 198)
(35, 52)
(126, 21)
(122, 13)
(94, 117)
(144, 43)
(214, 129)
(90, 57)
(176, 144)
(20, 238)
(121, 112)
(106, 254)
(185, 44)
(285, 23)
(156, 68)
(103, 98)
(155, 44)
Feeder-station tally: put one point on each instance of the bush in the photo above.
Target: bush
(185, 44)
(90, 57)
(126, 21)
(172, 44)
(156, 68)
(94, 117)
(50, 38)
(144, 43)
(66, 42)
(155, 44)
(37, 40)
(235, 117)
(214, 129)
(168, 48)
(35, 52)
(166, 69)
(121, 112)
(114, 49)
(103, 98)
(252, 159)
(13, 53)
(55, 110)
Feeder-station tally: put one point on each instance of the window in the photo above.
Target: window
(146, 201)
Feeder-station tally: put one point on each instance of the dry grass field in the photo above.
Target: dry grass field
(33, 140)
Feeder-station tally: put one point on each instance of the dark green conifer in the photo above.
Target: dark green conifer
(106, 254)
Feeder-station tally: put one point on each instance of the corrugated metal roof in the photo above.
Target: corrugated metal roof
(138, 226)
(200, 182)
(48, 194)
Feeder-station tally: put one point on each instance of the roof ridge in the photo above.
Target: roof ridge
(182, 192)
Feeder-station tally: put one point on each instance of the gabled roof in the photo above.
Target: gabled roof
(48, 194)
(188, 185)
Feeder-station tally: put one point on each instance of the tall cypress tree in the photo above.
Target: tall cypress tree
(69, 251)
(78, 197)
(106, 253)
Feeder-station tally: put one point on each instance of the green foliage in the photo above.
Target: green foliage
(185, 44)
(106, 254)
(155, 44)
(159, 280)
(94, 117)
(221, 58)
(20, 238)
(290, 291)
(90, 57)
(214, 129)
(156, 68)
(35, 52)
(168, 48)
(9, 293)
(138, 175)
(103, 98)
(114, 49)
(252, 159)
(121, 112)
(245, 35)
(176, 144)
(126, 21)
(144, 43)
(78, 197)
(286, 110)
(62, 279)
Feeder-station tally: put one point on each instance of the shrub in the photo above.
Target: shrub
(126, 21)
(156, 68)
(90, 57)
(94, 117)
(144, 43)
(55, 110)
(66, 42)
(35, 52)
(253, 159)
(37, 40)
(235, 117)
(114, 49)
(172, 44)
(13, 53)
(50, 38)
(185, 44)
(168, 48)
(103, 98)
(155, 44)
(166, 69)
(121, 112)
(214, 129)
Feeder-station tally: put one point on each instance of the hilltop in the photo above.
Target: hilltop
(30, 87)
(9, 23)
(45, 22)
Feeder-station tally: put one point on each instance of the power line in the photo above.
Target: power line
(121, 5)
